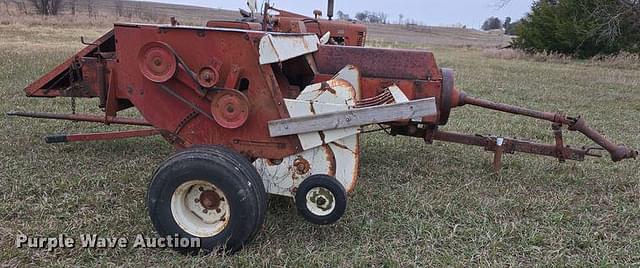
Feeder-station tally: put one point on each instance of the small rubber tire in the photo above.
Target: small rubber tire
(326, 182)
(231, 174)
(249, 170)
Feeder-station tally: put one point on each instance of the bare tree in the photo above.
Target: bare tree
(47, 7)
(383, 17)
(90, 7)
(634, 4)
(22, 7)
(119, 8)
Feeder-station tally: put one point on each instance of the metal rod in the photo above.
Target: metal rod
(510, 145)
(84, 118)
(102, 136)
(553, 117)
(617, 152)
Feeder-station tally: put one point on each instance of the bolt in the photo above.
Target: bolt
(301, 168)
(205, 211)
(321, 201)
(157, 62)
(218, 210)
(197, 200)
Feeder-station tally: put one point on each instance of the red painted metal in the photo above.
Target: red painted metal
(157, 62)
(196, 48)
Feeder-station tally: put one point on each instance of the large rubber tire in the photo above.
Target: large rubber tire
(231, 174)
(321, 185)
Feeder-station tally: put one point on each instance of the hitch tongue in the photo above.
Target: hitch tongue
(617, 152)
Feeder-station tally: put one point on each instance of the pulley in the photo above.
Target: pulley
(230, 108)
(157, 62)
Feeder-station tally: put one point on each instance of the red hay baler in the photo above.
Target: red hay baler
(254, 112)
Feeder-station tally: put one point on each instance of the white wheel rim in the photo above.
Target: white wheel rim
(200, 208)
(320, 201)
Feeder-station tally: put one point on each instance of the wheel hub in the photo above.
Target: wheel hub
(200, 208)
(210, 199)
(320, 201)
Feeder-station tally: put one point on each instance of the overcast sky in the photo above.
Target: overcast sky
(432, 12)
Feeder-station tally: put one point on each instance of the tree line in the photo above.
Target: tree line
(580, 28)
(494, 23)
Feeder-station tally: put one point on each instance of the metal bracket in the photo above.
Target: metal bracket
(353, 118)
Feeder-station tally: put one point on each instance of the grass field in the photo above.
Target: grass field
(415, 205)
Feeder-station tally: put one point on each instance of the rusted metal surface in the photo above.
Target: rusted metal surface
(494, 143)
(378, 63)
(341, 33)
(57, 81)
(84, 118)
(552, 117)
(617, 152)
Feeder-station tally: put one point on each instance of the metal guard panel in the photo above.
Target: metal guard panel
(376, 62)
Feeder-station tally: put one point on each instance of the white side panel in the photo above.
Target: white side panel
(336, 91)
(351, 74)
(332, 152)
(282, 178)
(346, 152)
(279, 48)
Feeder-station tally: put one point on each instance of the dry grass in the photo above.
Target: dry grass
(436, 36)
(415, 205)
(622, 60)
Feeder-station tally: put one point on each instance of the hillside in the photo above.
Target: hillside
(125, 9)
(436, 36)
(119, 10)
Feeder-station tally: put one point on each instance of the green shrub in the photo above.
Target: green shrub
(581, 28)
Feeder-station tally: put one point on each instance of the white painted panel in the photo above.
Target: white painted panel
(279, 48)
(351, 74)
(282, 178)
